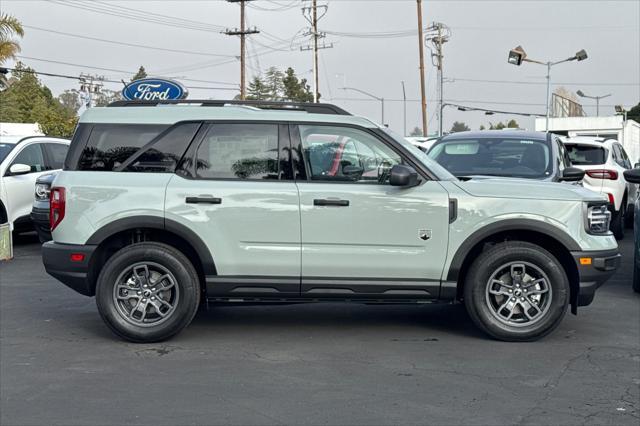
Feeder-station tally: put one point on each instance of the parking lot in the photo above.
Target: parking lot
(311, 364)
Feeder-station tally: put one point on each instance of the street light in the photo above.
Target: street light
(517, 56)
(370, 95)
(597, 98)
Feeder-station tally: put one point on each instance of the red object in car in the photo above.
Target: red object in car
(611, 199)
(603, 174)
(77, 257)
(56, 206)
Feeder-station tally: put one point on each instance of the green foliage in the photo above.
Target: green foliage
(511, 124)
(634, 113)
(417, 131)
(26, 100)
(142, 73)
(279, 86)
(9, 27)
(106, 96)
(459, 126)
(482, 127)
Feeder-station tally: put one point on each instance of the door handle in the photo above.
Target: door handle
(331, 202)
(203, 200)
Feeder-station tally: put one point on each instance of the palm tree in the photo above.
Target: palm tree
(8, 46)
(9, 26)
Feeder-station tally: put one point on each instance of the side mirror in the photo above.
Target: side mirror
(19, 169)
(572, 174)
(636, 166)
(632, 176)
(401, 175)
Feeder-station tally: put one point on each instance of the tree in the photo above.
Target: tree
(513, 124)
(482, 127)
(70, 100)
(417, 131)
(26, 100)
(257, 90)
(106, 96)
(296, 90)
(634, 113)
(459, 126)
(142, 73)
(274, 84)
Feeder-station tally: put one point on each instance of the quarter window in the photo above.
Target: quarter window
(239, 151)
(346, 154)
(110, 145)
(31, 156)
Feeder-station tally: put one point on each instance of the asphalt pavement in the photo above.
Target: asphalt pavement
(329, 364)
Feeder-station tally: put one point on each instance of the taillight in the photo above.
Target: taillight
(56, 206)
(603, 174)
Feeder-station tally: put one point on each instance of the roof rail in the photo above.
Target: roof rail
(311, 108)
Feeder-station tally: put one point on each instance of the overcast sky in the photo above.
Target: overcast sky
(482, 34)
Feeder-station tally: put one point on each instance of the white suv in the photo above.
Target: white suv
(604, 161)
(22, 160)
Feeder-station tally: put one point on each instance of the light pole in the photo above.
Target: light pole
(597, 98)
(517, 56)
(404, 110)
(370, 95)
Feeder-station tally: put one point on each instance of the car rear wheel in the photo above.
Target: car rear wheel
(147, 292)
(618, 222)
(516, 291)
(636, 270)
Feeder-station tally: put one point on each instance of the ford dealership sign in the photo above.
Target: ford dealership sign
(154, 89)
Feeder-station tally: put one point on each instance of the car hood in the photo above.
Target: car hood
(527, 188)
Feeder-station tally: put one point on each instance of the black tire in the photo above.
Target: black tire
(618, 222)
(629, 216)
(477, 297)
(184, 291)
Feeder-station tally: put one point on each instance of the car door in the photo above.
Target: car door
(237, 194)
(362, 237)
(20, 188)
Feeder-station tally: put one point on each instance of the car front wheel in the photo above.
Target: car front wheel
(516, 291)
(147, 292)
(618, 221)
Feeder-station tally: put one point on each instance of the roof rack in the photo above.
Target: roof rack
(311, 108)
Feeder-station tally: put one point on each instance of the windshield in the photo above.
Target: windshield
(5, 149)
(586, 155)
(435, 168)
(506, 157)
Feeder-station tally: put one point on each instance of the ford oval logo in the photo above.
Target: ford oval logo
(154, 89)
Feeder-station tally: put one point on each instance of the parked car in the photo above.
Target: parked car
(633, 176)
(22, 161)
(604, 162)
(161, 206)
(40, 208)
(424, 143)
(506, 154)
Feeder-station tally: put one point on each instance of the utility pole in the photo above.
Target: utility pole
(242, 32)
(438, 34)
(422, 82)
(313, 19)
(404, 110)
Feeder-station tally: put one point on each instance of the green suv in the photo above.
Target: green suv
(163, 206)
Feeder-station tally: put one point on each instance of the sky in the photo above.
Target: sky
(375, 48)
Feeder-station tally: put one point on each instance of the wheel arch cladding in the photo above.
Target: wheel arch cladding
(124, 232)
(551, 239)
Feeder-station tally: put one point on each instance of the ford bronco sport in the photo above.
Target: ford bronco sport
(162, 206)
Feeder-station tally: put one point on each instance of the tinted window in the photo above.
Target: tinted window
(56, 153)
(163, 154)
(31, 156)
(346, 154)
(495, 157)
(586, 155)
(109, 145)
(625, 158)
(5, 149)
(239, 151)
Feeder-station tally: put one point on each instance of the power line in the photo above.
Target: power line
(474, 80)
(122, 43)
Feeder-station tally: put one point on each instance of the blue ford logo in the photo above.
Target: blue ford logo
(154, 89)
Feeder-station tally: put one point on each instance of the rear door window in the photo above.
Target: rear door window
(239, 151)
(586, 155)
(56, 153)
(110, 145)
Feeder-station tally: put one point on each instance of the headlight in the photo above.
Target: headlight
(598, 218)
(42, 191)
